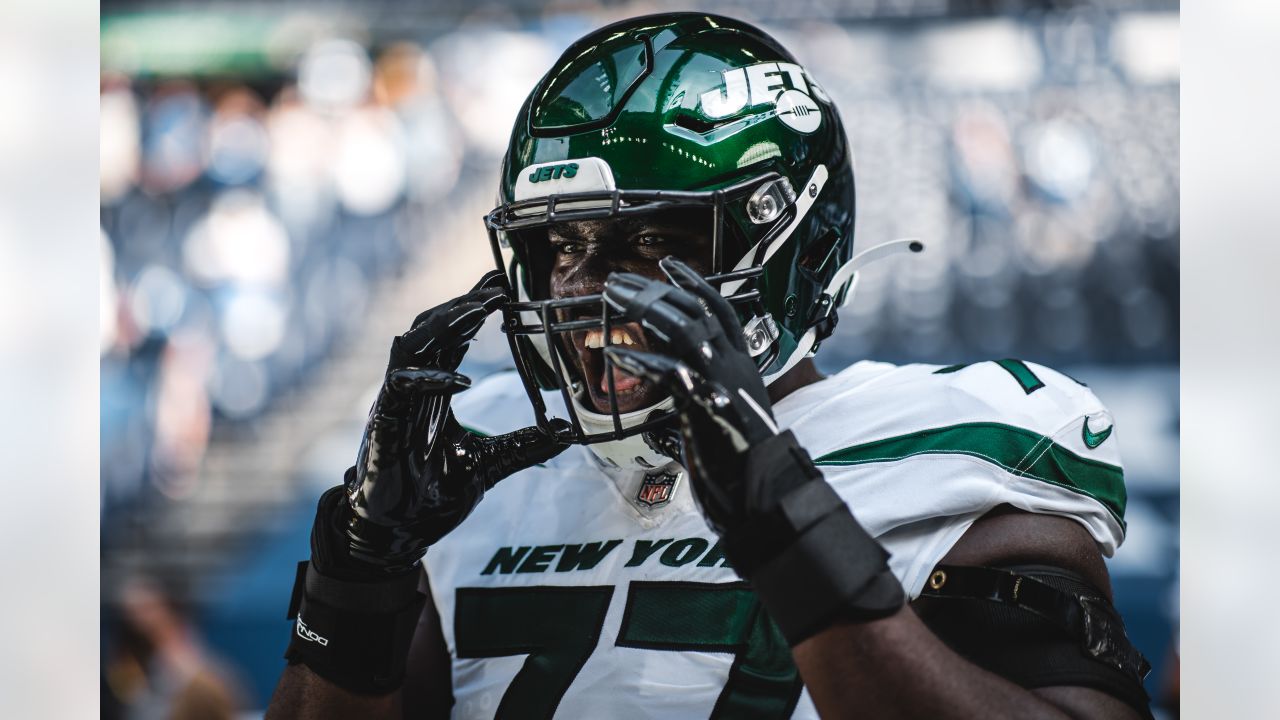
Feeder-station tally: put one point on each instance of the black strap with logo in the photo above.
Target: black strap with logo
(355, 635)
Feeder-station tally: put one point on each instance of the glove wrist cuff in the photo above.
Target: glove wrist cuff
(833, 570)
(381, 551)
(384, 595)
(341, 545)
(809, 559)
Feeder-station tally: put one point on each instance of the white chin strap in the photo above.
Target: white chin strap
(848, 273)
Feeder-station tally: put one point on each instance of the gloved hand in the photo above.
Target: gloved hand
(419, 473)
(783, 527)
(417, 476)
(723, 406)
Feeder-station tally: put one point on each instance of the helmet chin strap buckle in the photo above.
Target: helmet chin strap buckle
(760, 332)
(824, 319)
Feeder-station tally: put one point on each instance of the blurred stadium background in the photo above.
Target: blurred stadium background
(285, 185)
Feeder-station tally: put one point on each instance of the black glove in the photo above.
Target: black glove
(418, 475)
(723, 405)
(783, 527)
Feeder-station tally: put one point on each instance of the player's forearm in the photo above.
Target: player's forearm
(304, 695)
(896, 668)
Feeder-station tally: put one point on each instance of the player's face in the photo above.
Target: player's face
(583, 255)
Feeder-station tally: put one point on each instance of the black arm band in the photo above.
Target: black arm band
(819, 565)
(1037, 626)
(1090, 617)
(356, 635)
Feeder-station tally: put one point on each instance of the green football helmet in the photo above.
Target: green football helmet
(664, 113)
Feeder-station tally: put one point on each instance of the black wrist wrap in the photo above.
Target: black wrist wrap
(809, 560)
(356, 635)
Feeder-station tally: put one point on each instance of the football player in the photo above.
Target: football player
(695, 522)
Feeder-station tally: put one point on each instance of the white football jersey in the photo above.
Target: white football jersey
(577, 591)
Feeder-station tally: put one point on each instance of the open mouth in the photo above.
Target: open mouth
(588, 350)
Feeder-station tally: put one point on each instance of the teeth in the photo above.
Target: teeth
(617, 336)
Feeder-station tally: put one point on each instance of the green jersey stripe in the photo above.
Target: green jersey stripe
(1016, 450)
(1020, 372)
(1027, 379)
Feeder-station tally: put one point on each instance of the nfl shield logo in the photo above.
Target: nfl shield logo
(657, 487)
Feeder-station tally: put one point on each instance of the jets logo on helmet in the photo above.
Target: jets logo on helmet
(553, 172)
(765, 84)
(798, 111)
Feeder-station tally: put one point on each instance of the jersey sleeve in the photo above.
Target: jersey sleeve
(924, 455)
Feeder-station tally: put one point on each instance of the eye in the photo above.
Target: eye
(649, 240)
(568, 248)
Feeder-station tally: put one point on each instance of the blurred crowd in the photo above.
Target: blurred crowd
(158, 667)
(245, 227)
(250, 215)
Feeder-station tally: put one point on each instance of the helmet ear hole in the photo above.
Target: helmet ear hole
(820, 258)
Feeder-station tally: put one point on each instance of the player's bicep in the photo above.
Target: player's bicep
(1086, 702)
(1008, 536)
(428, 685)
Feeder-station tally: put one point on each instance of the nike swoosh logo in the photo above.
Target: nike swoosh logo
(1093, 439)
